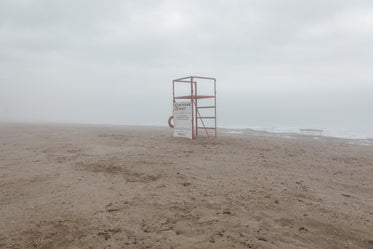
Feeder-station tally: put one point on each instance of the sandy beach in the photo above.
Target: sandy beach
(91, 186)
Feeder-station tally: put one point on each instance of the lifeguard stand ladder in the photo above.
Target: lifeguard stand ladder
(194, 97)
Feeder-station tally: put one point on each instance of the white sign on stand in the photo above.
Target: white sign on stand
(183, 119)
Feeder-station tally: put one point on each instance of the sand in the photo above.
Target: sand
(81, 186)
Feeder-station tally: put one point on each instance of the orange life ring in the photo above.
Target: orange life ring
(169, 121)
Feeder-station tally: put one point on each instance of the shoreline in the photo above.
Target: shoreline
(232, 131)
(293, 135)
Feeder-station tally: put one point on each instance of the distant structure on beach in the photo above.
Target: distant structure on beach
(194, 108)
(313, 132)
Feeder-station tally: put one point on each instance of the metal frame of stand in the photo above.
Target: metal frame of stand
(194, 97)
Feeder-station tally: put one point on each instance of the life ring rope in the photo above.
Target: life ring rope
(169, 121)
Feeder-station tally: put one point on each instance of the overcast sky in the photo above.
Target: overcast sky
(277, 63)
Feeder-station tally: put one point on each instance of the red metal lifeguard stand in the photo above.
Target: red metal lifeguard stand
(208, 106)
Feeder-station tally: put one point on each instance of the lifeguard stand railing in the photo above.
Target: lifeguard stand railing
(203, 112)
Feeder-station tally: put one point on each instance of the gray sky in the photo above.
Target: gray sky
(277, 63)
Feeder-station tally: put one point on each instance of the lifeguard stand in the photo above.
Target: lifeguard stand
(206, 120)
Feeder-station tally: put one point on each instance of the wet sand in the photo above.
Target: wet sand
(85, 186)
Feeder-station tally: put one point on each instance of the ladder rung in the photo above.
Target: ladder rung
(206, 106)
(211, 128)
(205, 117)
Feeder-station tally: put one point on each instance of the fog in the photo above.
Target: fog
(277, 63)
